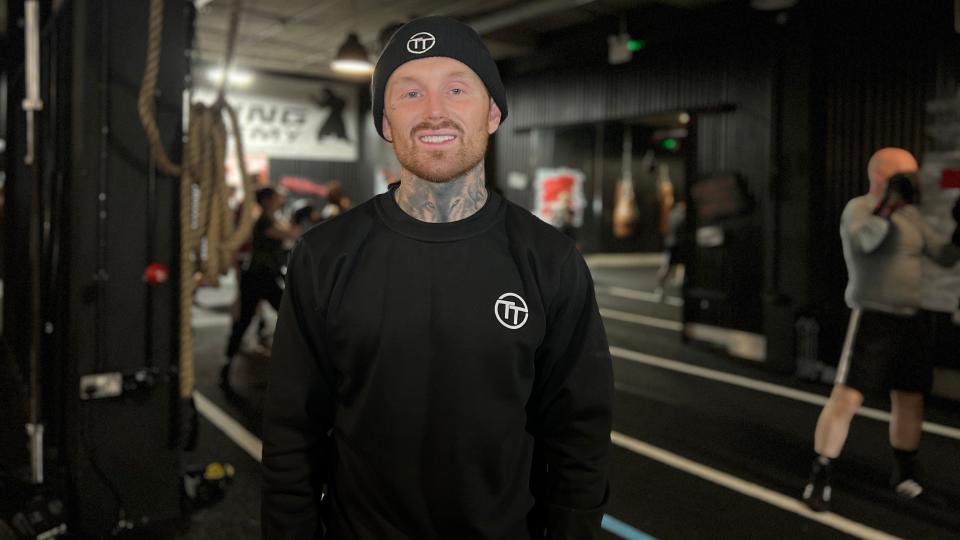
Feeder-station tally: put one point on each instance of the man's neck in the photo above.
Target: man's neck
(442, 202)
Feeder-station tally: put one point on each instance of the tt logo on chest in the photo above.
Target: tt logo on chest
(511, 311)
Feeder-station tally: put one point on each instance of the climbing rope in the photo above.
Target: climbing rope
(209, 236)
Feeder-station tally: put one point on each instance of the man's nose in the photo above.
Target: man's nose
(436, 108)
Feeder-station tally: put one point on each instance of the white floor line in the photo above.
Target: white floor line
(643, 296)
(254, 447)
(230, 427)
(624, 260)
(769, 388)
(624, 316)
(749, 489)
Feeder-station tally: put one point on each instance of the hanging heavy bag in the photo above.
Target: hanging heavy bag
(624, 209)
(665, 198)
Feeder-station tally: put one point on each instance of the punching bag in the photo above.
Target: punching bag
(624, 209)
(665, 199)
(624, 200)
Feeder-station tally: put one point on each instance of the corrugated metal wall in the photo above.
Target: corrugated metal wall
(877, 64)
(665, 80)
(680, 77)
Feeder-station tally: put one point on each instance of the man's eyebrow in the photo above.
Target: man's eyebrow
(404, 80)
(460, 74)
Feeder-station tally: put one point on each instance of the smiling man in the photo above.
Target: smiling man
(440, 368)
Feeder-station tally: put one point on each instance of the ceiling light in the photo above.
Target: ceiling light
(352, 58)
(234, 77)
(772, 5)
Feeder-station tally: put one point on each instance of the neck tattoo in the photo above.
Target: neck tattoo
(442, 202)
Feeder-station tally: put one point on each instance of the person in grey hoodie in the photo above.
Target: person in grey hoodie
(885, 240)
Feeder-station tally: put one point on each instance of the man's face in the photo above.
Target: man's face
(275, 203)
(439, 116)
(887, 163)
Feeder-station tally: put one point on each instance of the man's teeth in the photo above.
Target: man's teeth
(436, 138)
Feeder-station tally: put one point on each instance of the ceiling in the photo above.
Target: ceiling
(302, 36)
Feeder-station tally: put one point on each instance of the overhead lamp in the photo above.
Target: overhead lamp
(772, 5)
(352, 58)
(234, 77)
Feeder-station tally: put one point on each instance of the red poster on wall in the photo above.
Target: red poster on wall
(558, 196)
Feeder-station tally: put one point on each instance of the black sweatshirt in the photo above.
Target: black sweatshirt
(437, 381)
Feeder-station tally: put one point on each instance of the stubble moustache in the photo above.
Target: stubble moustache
(441, 166)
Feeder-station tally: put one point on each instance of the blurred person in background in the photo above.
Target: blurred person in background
(262, 277)
(306, 217)
(672, 264)
(884, 239)
(337, 201)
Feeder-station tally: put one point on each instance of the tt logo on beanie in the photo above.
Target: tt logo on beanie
(421, 43)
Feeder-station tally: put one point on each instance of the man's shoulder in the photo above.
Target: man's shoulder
(865, 201)
(526, 227)
(535, 236)
(342, 230)
(861, 204)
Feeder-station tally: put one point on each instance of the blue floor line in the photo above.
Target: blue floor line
(614, 526)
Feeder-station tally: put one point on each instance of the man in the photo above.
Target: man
(672, 262)
(262, 277)
(440, 368)
(884, 241)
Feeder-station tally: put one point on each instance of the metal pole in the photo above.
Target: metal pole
(31, 104)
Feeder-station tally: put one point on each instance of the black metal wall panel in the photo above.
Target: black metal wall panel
(681, 77)
(104, 217)
(120, 217)
(875, 66)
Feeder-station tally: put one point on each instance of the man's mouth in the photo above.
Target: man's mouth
(436, 139)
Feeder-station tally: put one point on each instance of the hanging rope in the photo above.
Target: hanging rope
(209, 237)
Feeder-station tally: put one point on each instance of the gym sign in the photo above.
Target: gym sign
(301, 120)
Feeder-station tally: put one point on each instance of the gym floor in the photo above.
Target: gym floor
(705, 446)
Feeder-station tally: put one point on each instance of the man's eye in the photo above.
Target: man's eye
(411, 94)
(457, 91)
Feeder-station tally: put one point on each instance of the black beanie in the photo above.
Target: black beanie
(436, 36)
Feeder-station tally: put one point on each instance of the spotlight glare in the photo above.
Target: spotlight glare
(234, 77)
(352, 67)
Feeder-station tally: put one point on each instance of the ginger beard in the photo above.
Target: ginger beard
(441, 166)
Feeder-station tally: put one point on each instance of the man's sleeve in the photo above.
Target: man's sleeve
(865, 230)
(298, 411)
(570, 410)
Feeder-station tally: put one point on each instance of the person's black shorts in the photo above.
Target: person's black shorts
(885, 352)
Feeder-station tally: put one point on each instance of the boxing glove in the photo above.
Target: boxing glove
(900, 191)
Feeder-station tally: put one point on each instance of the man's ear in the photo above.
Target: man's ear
(387, 130)
(493, 117)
